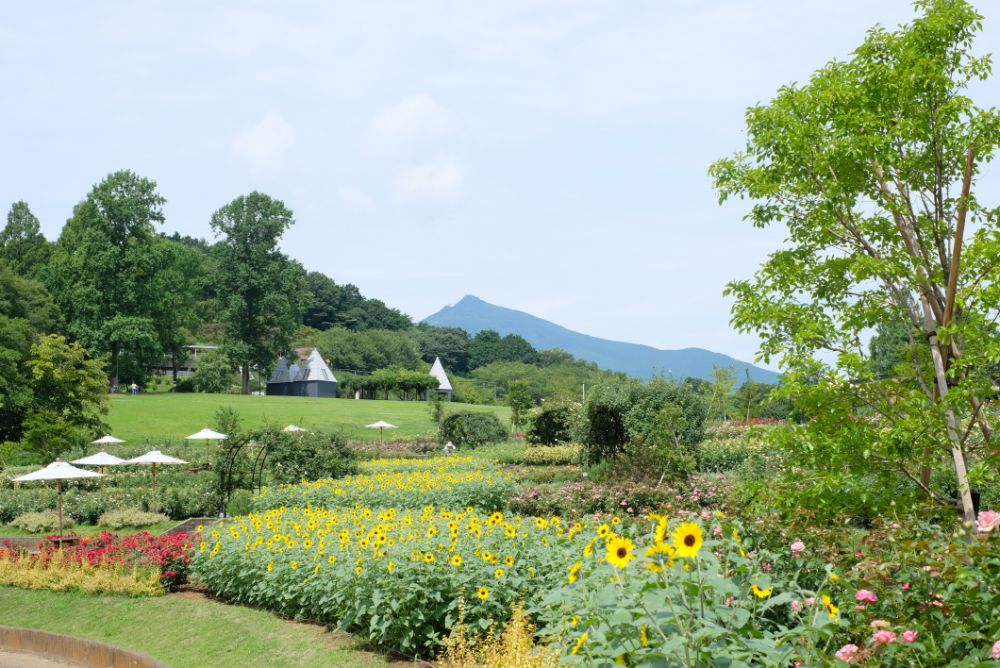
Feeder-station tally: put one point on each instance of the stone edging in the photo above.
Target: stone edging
(76, 651)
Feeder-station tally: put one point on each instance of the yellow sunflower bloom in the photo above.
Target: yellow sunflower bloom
(483, 593)
(573, 570)
(620, 551)
(761, 593)
(429, 558)
(662, 553)
(688, 540)
(456, 560)
(498, 573)
(579, 643)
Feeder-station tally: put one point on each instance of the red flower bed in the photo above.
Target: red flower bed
(170, 554)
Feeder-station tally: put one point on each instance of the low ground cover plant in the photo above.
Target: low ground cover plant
(135, 565)
(41, 521)
(132, 518)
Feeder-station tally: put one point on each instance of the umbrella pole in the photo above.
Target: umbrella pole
(155, 504)
(380, 435)
(59, 505)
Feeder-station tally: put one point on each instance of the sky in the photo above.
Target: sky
(549, 157)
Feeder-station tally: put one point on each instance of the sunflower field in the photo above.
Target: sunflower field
(453, 482)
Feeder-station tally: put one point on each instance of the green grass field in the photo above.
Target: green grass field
(168, 418)
(185, 630)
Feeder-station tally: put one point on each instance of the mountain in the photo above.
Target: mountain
(474, 315)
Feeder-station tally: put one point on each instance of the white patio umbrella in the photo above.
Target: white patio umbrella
(101, 459)
(380, 425)
(58, 471)
(155, 457)
(107, 439)
(206, 435)
(293, 429)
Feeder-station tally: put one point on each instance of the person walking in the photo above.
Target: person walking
(135, 389)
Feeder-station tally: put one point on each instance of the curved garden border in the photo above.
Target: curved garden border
(77, 651)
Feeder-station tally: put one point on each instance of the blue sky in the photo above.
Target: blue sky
(545, 156)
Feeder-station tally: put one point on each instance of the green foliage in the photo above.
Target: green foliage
(333, 305)
(362, 351)
(21, 242)
(471, 429)
(262, 293)
(44, 521)
(488, 346)
(541, 455)
(553, 423)
(131, 518)
(292, 457)
(450, 344)
(67, 382)
(520, 401)
(864, 165)
(213, 374)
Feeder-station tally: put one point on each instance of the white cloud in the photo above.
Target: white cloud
(431, 181)
(263, 146)
(409, 124)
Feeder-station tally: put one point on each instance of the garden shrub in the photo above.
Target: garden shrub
(543, 455)
(717, 455)
(472, 429)
(44, 521)
(552, 424)
(133, 518)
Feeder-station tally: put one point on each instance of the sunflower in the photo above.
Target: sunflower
(579, 643)
(483, 593)
(498, 573)
(294, 565)
(660, 553)
(456, 560)
(573, 570)
(429, 558)
(391, 565)
(688, 540)
(831, 609)
(541, 522)
(509, 560)
(270, 566)
(603, 530)
(620, 551)
(761, 593)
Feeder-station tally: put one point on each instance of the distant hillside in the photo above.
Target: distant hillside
(474, 315)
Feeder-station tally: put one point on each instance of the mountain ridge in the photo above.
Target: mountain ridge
(636, 359)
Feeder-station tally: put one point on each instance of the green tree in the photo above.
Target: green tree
(104, 267)
(69, 396)
(213, 373)
(450, 344)
(723, 380)
(484, 348)
(262, 293)
(179, 286)
(520, 400)
(333, 305)
(22, 243)
(870, 167)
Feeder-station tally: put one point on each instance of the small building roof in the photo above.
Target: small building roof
(312, 367)
(437, 370)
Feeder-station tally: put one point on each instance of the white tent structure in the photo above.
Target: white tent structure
(107, 439)
(380, 425)
(101, 459)
(155, 457)
(444, 385)
(58, 471)
(206, 435)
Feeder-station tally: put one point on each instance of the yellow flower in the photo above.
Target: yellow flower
(616, 520)
(541, 522)
(579, 643)
(688, 540)
(509, 560)
(391, 565)
(831, 609)
(201, 527)
(316, 570)
(588, 549)
(456, 560)
(358, 570)
(661, 552)
(294, 565)
(603, 530)
(573, 570)
(574, 620)
(332, 559)
(429, 558)
(620, 551)
(498, 573)
(642, 636)
(834, 577)
(736, 535)
(483, 593)
(270, 566)
(761, 593)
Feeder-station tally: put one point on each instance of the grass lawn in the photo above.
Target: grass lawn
(185, 630)
(165, 418)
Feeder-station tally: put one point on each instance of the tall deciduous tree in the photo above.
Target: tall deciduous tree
(104, 267)
(262, 293)
(22, 243)
(871, 166)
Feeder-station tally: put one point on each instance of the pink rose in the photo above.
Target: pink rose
(909, 636)
(885, 637)
(810, 600)
(865, 596)
(849, 653)
(796, 606)
(996, 650)
(906, 585)
(798, 547)
(988, 520)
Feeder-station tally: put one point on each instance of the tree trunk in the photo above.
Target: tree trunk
(246, 378)
(958, 455)
(173, 362)
(115, 351)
